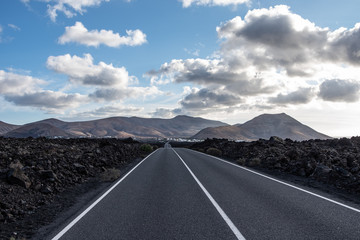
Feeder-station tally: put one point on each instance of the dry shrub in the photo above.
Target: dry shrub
(214, 152)
(110, 175)
(241, 161)
(254, 162)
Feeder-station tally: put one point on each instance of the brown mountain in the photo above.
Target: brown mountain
(5, 127)
(122, 127)
(37, 130)
(263, 126)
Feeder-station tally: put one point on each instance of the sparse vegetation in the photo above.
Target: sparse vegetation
(110, 175)
(147, 148)
(254, 162)
(241, 161)
(214, 151)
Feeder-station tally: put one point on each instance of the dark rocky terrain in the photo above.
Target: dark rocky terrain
(263, 126)
(333, 163)
(40, 177)
(119, 127)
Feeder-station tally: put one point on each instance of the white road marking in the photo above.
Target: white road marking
(70, 225)
(216, 205)
(284, 183)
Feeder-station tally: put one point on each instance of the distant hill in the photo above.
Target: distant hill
(37, 130)
(121, 127)
(263, 126)
(5, 127)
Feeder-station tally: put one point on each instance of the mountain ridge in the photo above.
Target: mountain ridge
(119, 127)
(6, 127)
(263, 126)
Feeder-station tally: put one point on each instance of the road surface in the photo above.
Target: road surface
(183, 194)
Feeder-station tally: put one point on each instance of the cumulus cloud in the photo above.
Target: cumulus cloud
(188, 3)
(268, 52)
(82, 70)
(112, 94)
(47, 99)
(208, 99)
(345, 45)
(166, 112)
(112, 83)
(274, 38)
(79, 34)
(106, 111)
(12, 83)
(99, 84)
(300, 96)
(277, 38)
(23, 90)
(105, 83)
(212, 72)
(337, 90)
(70, 7)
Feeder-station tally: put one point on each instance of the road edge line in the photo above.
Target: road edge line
(284, 183)
(81, 215)
(228, 221)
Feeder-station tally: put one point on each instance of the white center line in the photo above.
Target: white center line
(70, 225)
(216, 205)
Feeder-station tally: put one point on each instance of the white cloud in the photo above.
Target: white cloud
(24, 90)
(47, 99)
(13, 26)
(300, 96)
(83, 71)
(105, 111)
(212, 73)
(79, 34)
(12, 83)
(104, 82)
(166, 112)
(112, 83)
(271, 58)
(70, 7)
(277, 38)
(273, 38)
(206, 99)
(188, 3)
(195, 52)
(89, 84)
(112, 94)
(336, 90)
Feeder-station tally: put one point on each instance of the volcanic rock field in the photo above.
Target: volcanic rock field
(39, 177)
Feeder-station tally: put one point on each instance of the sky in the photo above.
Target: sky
(227, 60)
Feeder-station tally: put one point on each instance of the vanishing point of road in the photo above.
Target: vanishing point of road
(178, 193)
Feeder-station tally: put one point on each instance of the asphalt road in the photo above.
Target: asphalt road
(182, 194)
